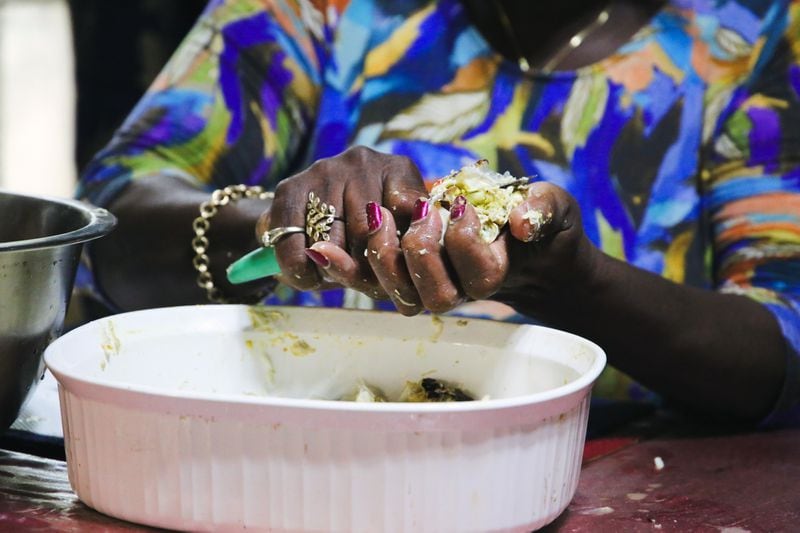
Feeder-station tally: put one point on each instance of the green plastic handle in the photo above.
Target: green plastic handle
(260, 263)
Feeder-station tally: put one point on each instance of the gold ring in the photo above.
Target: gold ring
(269, 238)
(319, 218)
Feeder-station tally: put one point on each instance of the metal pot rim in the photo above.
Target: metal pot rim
(99, 222)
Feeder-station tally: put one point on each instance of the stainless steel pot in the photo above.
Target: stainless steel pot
(40, 244)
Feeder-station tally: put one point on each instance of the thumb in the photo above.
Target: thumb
(546, 211)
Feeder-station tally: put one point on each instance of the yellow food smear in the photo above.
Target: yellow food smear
(263, 319)
(438, 328)
(110, 343)
(301, 348)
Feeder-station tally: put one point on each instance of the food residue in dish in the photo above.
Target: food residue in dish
(365, 393)
(424, 390)
(301, 348)
(263, 318)
(433, 390)
(427, 389)
(110, 344)
(438, 327)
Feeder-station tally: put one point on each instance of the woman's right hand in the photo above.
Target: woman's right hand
(348, 182)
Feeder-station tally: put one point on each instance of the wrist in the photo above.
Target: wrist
(229, 230)
(570, 291)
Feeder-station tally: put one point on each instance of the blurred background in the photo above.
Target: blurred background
(70, 71)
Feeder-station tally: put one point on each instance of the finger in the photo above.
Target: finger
(397, 177)
(339, 268)
(356, 197)
(387, 261)
(395, 183)
(262, 225)
(546, 211)
(291, 207)
(481, 267)
(361, 170)
(426, 262)
(403, 185)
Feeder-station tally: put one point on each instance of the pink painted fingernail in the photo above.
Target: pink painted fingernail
(420, 209)
(374, 216)
(459, 206)
(318, 258)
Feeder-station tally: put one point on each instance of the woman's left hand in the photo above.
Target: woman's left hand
(542, 254)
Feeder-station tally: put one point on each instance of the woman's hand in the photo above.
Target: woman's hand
(550, 255)
(347, 182)
(543, 252)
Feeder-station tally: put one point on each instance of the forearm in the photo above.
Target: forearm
(147, 260)
(714, 352)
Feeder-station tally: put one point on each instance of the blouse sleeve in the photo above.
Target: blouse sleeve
(234, 104)
(751, 186)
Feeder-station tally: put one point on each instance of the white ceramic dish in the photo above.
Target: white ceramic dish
(198, 418)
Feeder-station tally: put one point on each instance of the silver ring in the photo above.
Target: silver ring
(319, 218)
(272, 236)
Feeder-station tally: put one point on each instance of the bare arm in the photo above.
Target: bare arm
(708, 351)
(147, 260)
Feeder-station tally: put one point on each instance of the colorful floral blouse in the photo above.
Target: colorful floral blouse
(683, 148)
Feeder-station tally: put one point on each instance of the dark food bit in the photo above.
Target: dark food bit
(433, 390)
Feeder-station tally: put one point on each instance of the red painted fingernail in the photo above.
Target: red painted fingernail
(420, 209)
(459, 206)
(318, 258)
(374, 216)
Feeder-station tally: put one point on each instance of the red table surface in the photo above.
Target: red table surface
(732, 484)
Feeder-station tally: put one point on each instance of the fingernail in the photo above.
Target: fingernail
(536, 219)
(420, 210)
(374, 216)
(318, 258)
(458, 209)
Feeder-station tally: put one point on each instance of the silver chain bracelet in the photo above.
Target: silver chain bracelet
(201, 225)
